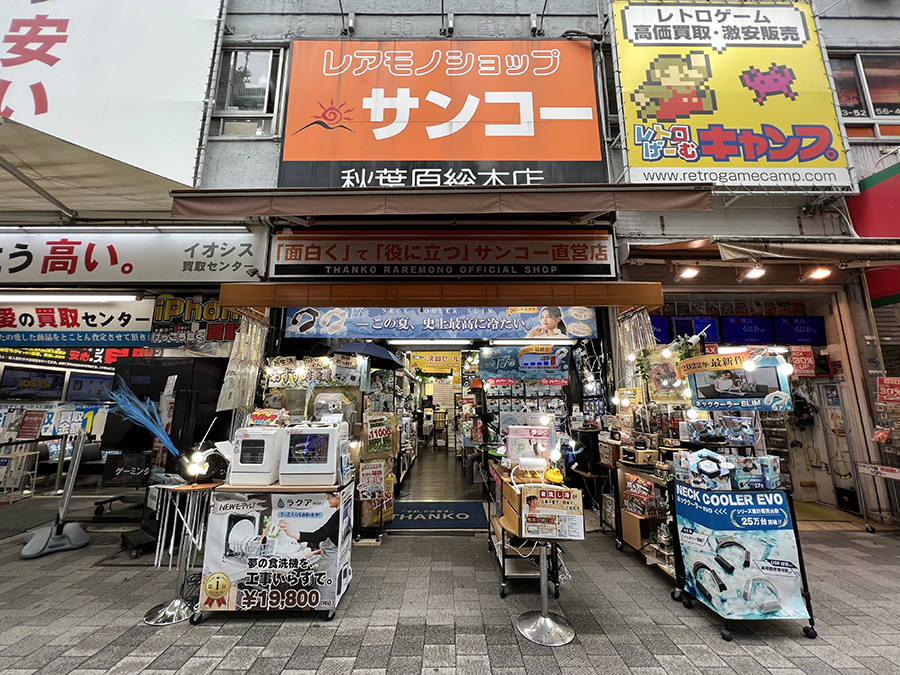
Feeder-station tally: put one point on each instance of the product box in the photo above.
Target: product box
(648, 507)
(608, 453)
(681, 461)
(640, 486)
(609, 511)
(646, 456)
(528, 442)
(770, 467)
(747, 474)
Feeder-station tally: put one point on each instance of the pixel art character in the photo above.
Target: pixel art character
(675, 88)
(776, 80)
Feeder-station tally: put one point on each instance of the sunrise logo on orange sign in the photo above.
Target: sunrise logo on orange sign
(432, 114)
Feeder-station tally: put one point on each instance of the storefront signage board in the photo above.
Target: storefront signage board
(432, 322)
(759, 523)
(277, 551)
(178, 319)
(889, 389)
(58, 418)
(75, 258)
(83, 324)
(442, 254)
(428, 113)
(727, 93)
(720, 382)
(83, 358)
(551, 513)
(91, 74)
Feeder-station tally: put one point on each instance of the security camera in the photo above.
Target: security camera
(253, 272)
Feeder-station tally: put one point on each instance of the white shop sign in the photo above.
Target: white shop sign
(73, 257)
(74, 323)
(125, 79)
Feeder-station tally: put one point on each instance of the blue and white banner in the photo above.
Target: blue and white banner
(441, 322)
(53, 324)
(533, 362)
(740, 552)
(763, 388)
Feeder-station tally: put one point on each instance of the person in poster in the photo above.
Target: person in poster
(725, 383)
(552, 324)
(325, 537)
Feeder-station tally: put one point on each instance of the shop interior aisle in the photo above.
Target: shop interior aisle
(437, 475)
(421, 603)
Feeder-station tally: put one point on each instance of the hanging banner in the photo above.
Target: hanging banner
(888, 390)
(191, 319)
(435, 362)
(73, 258)
(271, 551)
(441, 322)
(435, 113)
(452, 253)
(524, 363)
(720, 382)
(740, 552)
(727, 93)
(804, 361)
(55, 323)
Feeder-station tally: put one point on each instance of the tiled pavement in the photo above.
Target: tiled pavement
(430, 604)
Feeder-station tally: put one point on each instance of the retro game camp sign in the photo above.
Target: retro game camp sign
(441, 113)
(727, 93)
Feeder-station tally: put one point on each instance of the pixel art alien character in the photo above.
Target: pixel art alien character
(675, 88)
(776, 80)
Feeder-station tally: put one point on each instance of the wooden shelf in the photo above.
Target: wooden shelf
(585, 473)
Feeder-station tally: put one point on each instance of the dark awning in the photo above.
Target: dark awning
(576, 202)
(814, 249)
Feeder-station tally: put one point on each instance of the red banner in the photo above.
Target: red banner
(889, 389)
(804, 361)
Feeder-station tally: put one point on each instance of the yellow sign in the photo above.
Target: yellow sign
(727, 93)
(436, 362)
(710, 362)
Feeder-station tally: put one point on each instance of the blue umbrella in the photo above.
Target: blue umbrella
(381, 356)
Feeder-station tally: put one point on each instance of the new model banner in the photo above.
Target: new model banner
(532, 362)
(721, 382)
(277, 551)
(441, 322)
(727, 93)
(740, 552)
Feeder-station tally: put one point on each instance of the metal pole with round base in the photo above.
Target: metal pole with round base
(179, 609)
(544, 628)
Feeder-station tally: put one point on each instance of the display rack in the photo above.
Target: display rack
(18, 470)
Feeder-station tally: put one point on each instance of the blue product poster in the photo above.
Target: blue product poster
(740, 552)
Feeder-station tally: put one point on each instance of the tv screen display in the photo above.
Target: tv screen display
(747, 330)
(691, 325)
(85, 387)
(800, 330)
(661, 330)
(29, 384)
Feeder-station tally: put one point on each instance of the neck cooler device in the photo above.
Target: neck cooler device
(725, 542)
(700, 587)
(768, 606)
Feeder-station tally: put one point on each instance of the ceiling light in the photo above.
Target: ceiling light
(197, 229)
(428, 343)
(687, 273)
(751, 273)
(816, 275)
(63, 297)
(521, 342)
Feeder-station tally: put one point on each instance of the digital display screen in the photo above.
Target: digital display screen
(308, 448)
(84, 387)
(800, 330)
(662, 332)
(253, 450)
(691, 325)
(747, 330)
(21, 384)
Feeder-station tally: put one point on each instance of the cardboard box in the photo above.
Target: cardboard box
(682, 461)
(608, 453)
(631, 529)
(770, 468)
(747, 474)
(648, 507)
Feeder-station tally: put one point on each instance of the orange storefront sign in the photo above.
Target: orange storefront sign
(480, 110)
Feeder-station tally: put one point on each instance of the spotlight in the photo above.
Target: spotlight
(668, 351)
(751, 364)
(664, 383)
(545, 420)
(816, 275)
(555, 455)
(691, 413)
(615, 400)
(687, 273)
(626, 402)
(677, 383)
(632, 357)
(751, 273)
(687, 392)
(784, 367)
